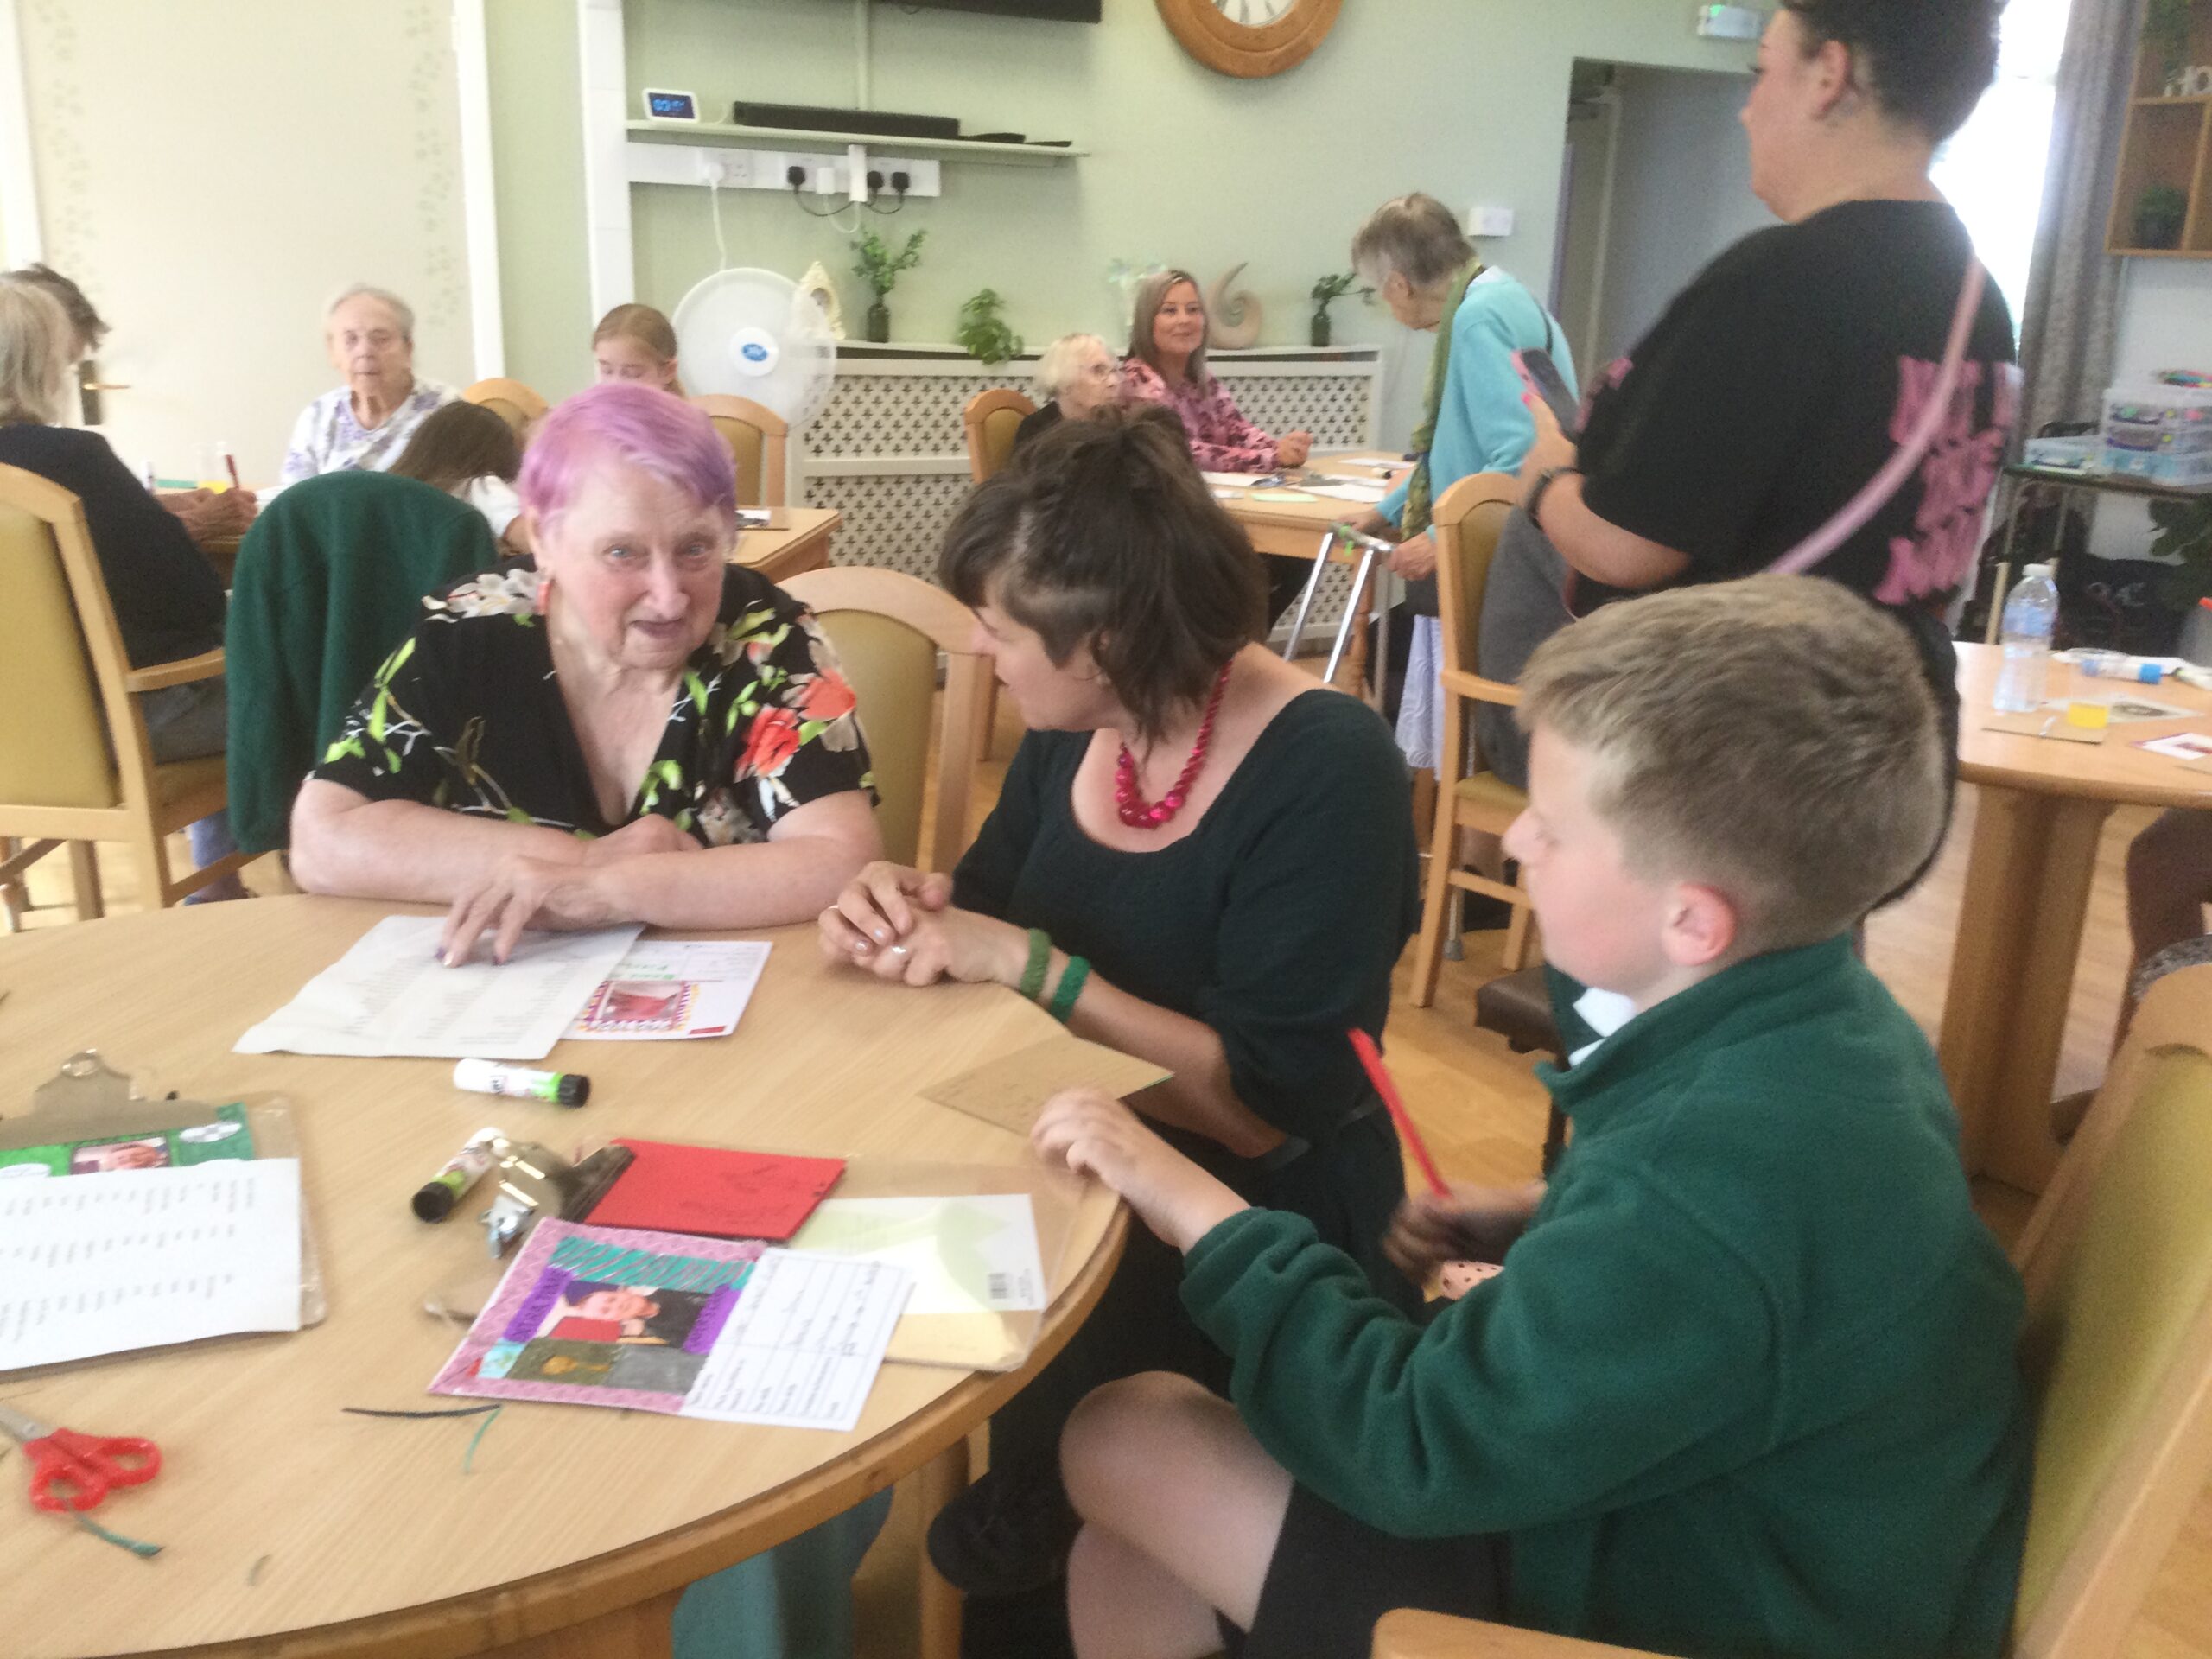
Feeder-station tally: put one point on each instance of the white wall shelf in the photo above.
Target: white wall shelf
(969, 149)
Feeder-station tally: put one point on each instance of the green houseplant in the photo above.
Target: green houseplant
(2160, 213)
(1326, 292)
(878, 266)
(983, 332)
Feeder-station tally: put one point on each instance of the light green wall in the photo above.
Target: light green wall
(538, 172)
(1465, 99)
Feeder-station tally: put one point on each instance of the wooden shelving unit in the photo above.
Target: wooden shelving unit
(2168, 142)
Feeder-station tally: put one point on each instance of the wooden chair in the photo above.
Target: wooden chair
(75, 766)
(1466, 523)
(2117, 1353)
(758, 439)
(511, 400)
(991, 420)
(888, 628)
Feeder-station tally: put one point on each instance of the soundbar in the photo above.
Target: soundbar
(814, 118)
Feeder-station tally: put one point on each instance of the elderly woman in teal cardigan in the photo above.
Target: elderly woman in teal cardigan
(1413, 253)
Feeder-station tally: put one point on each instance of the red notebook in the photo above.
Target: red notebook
(716, 1193)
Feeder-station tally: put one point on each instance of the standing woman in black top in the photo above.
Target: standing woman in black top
(168, 601)
(1200, 857)
(1782, 380)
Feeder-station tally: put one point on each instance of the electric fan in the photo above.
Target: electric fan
(753, 333)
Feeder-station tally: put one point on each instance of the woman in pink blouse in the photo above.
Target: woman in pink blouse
(1167, 365)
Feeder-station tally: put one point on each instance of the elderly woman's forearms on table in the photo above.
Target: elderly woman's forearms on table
(502, 877)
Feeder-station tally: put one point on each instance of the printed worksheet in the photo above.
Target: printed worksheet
(390, 995)
(694, 1327)
(667, 989)
(135, 1258)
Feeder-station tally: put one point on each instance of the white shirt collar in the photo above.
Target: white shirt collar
(1605, 1013)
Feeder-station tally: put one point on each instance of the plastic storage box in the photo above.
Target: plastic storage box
(2160, 430)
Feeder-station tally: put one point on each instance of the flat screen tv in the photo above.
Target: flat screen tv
(1063, 11)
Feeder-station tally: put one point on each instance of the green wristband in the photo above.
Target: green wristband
(1041, 958)
(1071, 987)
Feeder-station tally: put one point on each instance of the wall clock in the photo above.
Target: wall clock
(1250, 38)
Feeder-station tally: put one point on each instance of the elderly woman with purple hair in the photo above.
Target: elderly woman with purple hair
(637, 730)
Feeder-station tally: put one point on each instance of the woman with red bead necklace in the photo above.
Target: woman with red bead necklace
(1200, 857)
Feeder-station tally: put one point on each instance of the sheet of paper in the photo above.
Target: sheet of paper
(1234, 481)
(693, 1327)
(390, 995)
(1350, 490)
(671, 990)
(2126, 706)
(802, 1348)
(139, 1258)
(2182, 746)
(976, 1255)
(1281, 496)
(2052, 726)
(1010, 1092)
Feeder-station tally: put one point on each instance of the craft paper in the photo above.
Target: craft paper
(1010, 1092)
(723, 1194)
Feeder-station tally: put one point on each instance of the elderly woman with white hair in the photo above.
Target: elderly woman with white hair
(365, 423)
(1076, 377)
(1413, 253)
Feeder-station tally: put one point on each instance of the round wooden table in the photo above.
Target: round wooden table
(292, 1529)
(2043, 805)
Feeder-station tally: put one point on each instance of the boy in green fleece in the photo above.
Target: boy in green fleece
(1746, 1383)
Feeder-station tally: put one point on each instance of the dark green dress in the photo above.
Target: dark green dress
(1277, 922)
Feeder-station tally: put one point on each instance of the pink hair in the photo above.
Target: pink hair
(634, 426)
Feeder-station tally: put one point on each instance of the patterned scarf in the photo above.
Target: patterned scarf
(1414, 519)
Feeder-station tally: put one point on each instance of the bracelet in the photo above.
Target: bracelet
(1071, 987)
(1534, 506)
(1041, 958)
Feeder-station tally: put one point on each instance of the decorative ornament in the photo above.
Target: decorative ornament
(1128, 796)
(1233, 315)
(818, 284)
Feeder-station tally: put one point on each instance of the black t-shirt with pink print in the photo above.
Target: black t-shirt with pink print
(1784, 378)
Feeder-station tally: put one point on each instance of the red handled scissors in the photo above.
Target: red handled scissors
(81, 1466)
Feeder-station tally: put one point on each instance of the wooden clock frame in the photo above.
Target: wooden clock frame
(1247, 53)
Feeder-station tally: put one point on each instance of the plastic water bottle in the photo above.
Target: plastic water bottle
(2030, 613)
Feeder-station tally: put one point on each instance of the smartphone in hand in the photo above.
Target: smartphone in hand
(1541, 375)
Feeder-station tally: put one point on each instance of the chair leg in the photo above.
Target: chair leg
(987, 718)
(1516, 956)
(156, 890)
(15, 897)
(943, 1479)
(84, 880)
(1428, 945)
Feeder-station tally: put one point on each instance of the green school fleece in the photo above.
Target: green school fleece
(1746, 1385)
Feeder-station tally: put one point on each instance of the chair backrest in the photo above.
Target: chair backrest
(991, 420)
(511, 400)
(2118, 1349)
(329, 580)
(56, 671)
(1466, 521)
(887, 629)
(757, 437)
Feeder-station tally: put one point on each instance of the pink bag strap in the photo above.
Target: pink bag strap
(1855, 513)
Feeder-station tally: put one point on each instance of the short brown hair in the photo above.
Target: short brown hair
(459, 443)
(1150, 293)
(1774, 737)
(1103, 534)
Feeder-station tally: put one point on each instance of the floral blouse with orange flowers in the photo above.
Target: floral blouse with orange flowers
(468, 716)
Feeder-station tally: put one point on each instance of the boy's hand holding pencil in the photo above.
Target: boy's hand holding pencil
(1467, 1223)
(1094, 1135)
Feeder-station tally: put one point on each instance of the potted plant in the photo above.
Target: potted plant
(2160, 213)
(879, 267)
(983, 332)
(2165, 31)
(1326, 292)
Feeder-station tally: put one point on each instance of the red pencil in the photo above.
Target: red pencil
(1371, 1057)
(232, 461)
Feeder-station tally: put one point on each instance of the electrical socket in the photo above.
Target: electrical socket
(898, 182)
(794, 176)
(825, 180)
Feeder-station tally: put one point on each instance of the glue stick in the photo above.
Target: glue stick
(491, 1078)
(438, 1195)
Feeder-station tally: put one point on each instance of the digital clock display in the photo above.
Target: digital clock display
(670, 107)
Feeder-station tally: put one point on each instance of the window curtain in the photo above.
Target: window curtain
(2067, 326)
